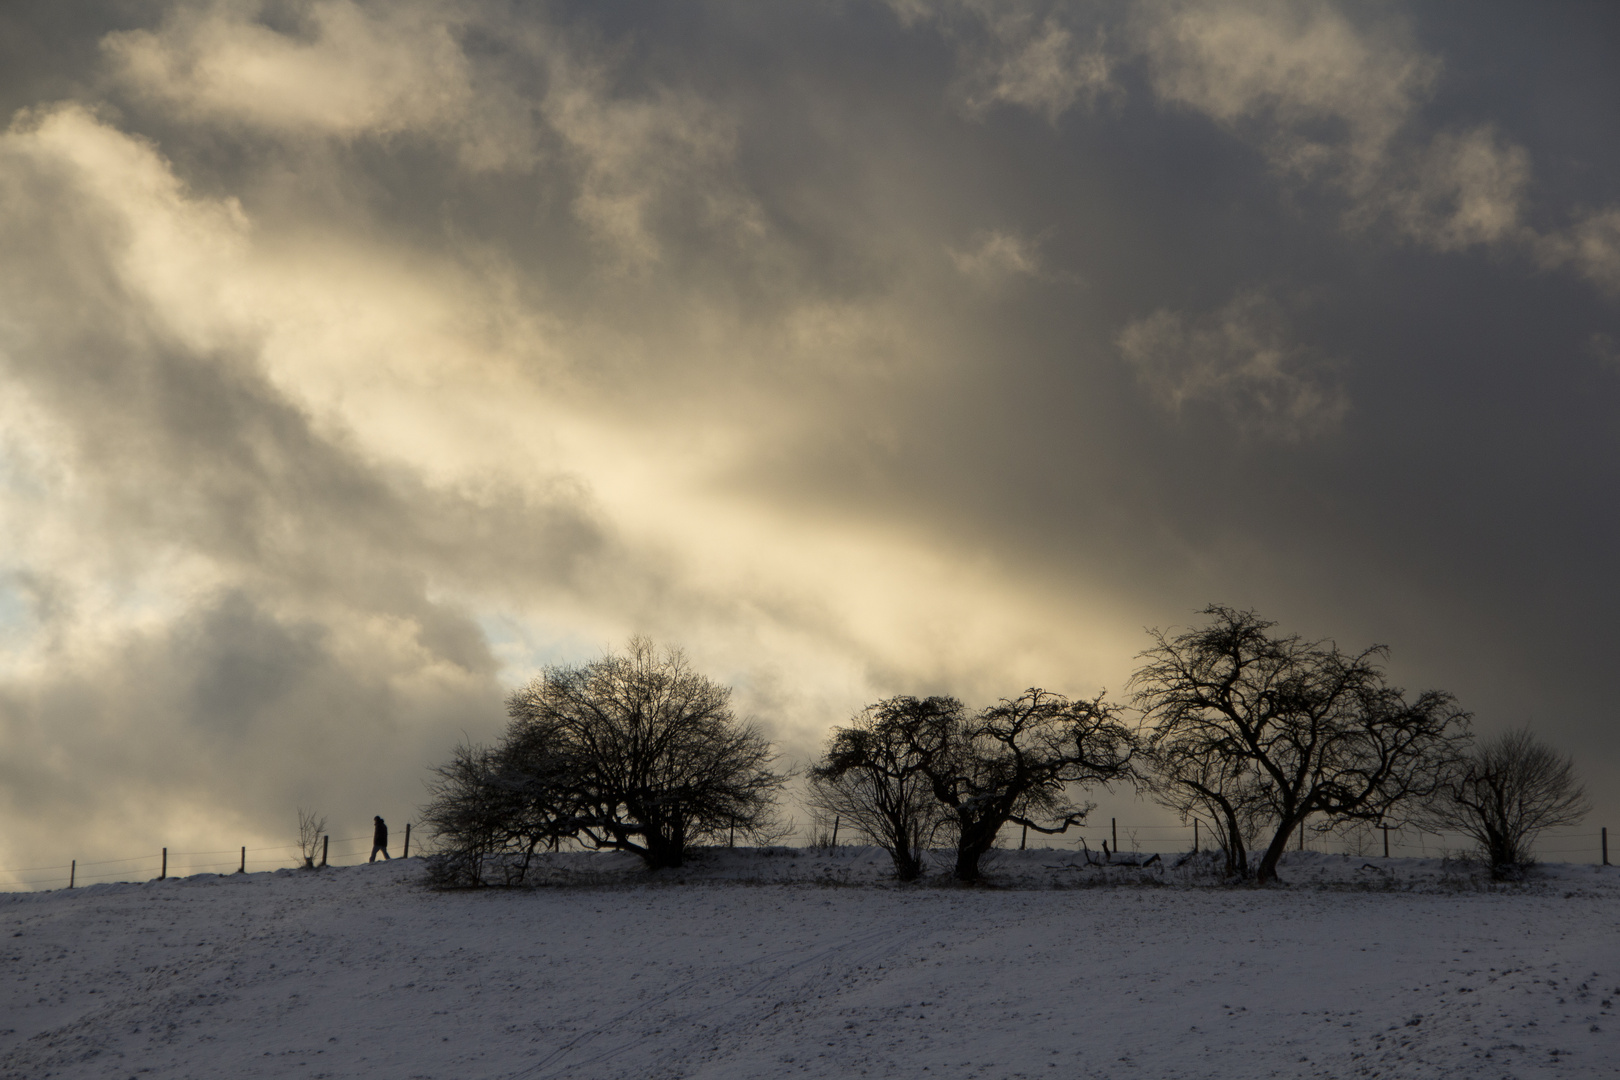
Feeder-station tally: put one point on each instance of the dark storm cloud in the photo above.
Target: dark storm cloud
(866, 348)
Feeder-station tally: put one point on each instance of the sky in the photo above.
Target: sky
(359, 359)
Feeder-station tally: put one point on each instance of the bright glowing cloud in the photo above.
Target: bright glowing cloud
(359, 357)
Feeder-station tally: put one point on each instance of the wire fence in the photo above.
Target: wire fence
(164, 863)
(1571, 844)
(1574, 844)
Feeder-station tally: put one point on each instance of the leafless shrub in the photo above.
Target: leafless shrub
(773, 832)
(310, 830)
(823, 828)
(1504, 795)
(493, 810)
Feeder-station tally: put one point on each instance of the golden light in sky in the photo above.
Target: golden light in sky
(361, 357)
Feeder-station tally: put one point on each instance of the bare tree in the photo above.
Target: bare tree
(659, 764)
(1505, 794)
(1014, 763)
(465, 817)
(1281, 729)
(1195, 778)
(493, 810)
(871, 777)
(310, 830)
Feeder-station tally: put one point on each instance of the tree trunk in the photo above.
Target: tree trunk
(971, 845)
(1237, 855)
(905, 849)
(1503, 855)
(1266, 874)
(663, 852)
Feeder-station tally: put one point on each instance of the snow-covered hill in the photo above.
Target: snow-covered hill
(755, 964)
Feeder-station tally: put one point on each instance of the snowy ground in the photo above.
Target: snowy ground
(782, 964)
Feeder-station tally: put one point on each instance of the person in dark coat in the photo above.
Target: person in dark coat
(379, 839)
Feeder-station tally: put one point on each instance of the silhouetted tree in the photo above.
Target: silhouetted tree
(1197, 778)
(1503, 796)
(1016, 761)
(1013, 763)
(871, 778)
(1283, 728)
(659, 764)
(311, 827)
(492, 810)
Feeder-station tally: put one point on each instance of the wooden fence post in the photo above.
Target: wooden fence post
(1605, 845)
(835, 831)
(1195, 836)
(243, 868)
(407, 852)
(165, 871)
(1386, 840)
(73, 872)
(1024, 839)
(1114, 824)
(325, 840)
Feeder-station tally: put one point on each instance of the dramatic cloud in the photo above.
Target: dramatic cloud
(1019, 56)
(359, 357)
(1329, 96)
(999, 255)
(1591, 245)
(347, 71)
(1241, 360)
(1320, 95)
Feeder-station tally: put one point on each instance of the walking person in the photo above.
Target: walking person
(379, 840)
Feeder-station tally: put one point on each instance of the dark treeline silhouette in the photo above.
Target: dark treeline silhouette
(1263, 735)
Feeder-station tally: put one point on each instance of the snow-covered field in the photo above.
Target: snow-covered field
(754, 964)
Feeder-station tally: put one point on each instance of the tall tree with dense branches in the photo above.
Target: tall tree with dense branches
(659, 761)
(633, 752)
(1287, 728)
